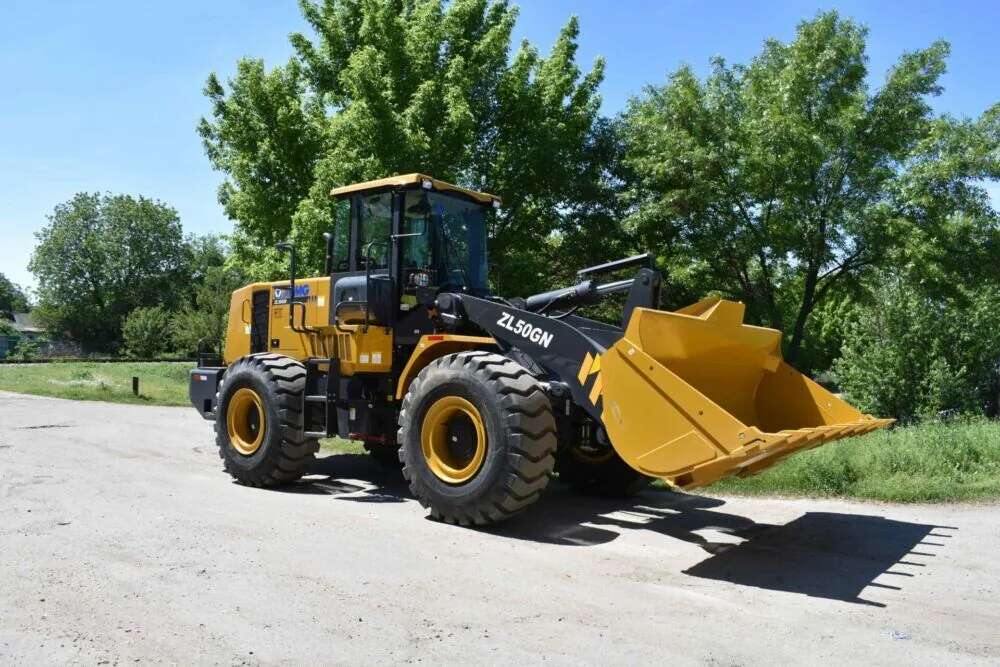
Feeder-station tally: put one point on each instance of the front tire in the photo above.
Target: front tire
(258, 423)
(477, 438)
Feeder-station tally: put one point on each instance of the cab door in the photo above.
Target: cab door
(370, 281)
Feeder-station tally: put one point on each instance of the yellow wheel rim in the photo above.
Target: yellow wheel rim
(453, 439)
(245, 421)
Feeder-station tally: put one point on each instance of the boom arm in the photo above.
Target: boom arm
(556, 346)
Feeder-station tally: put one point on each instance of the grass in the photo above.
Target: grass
(341, 446)
(931, 462)
(160, 383)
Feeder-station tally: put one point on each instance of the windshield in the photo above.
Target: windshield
(376, 223)
(449, 241)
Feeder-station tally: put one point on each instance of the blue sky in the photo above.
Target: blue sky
(105, 95)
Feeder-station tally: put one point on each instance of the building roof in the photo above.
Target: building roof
(24, 323)
(412, 179)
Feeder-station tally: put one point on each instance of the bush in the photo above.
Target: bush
(909, 355)
(146, 332)
(27, 348)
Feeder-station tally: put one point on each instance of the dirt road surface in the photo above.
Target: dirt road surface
(123, 542)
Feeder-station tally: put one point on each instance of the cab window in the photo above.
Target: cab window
(448, 243)
(416, 242)
(375, 227)
(341, 235)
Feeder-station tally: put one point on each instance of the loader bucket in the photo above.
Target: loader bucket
(695, 395)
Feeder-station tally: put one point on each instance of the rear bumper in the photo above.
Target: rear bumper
(203, 383)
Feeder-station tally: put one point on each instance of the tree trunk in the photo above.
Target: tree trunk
(808, 293)
(808, 302)
(773, 312)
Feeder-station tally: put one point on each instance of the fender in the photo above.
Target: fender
(430, 347)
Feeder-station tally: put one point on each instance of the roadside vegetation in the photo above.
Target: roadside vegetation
(932, 461)
(160, 383)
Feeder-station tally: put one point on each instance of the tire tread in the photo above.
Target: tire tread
(526, 415)
(288, 461)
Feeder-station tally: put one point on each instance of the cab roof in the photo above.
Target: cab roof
(403, 180)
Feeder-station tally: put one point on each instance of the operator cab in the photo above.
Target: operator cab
(400, 241)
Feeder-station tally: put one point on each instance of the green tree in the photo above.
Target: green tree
(202, 320)
(146, 332)
(102, 256)
(395, 86)
(12, 297)
(786, 180)
(202, 254)
(213, 274)
(909, 354)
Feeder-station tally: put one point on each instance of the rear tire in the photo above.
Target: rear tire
(258, 423)
(498, 424)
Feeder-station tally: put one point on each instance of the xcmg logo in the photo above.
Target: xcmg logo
(283, 294)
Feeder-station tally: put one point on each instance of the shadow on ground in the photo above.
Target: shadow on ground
(380, 483)
(825, 555)
(821, 554)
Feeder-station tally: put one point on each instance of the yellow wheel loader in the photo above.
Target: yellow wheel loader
(401, 345)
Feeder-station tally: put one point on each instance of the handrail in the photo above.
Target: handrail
(336, 310)
(291, 297)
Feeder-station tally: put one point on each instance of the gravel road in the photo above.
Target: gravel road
(122, 541)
